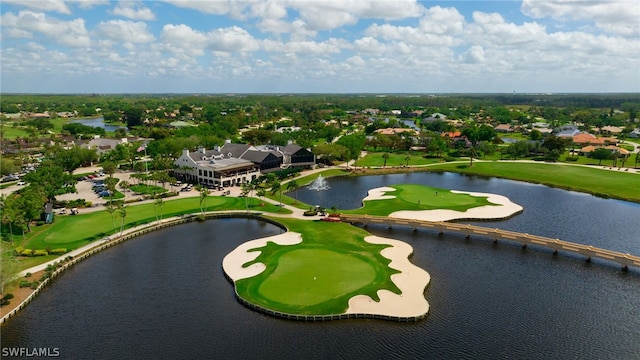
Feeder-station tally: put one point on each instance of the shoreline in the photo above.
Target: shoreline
(412, 281)
(505, 209)
(368, 171)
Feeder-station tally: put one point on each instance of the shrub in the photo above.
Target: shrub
(34, 284)
(27, 252)
(5, 299)
(19, 250)
(25, 283)
(58, 251)
(27, 275)
(310, 213)
(40, 253)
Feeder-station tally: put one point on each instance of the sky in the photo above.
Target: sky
(319, 46)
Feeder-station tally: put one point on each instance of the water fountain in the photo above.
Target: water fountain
(319, 184)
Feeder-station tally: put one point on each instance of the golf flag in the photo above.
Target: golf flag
(142, 147)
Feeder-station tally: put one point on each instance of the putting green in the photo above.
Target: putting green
(318, 276)
(420, 197)
(312, 276)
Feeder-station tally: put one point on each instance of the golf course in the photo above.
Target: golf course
(326, 265)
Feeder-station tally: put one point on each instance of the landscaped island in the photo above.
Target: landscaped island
(336, 270)
(432, 204)
(320, 270)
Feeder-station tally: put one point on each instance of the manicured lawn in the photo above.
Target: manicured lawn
(306, 180)
(375, 159)
(597, 181)
(318, 276)
(9, 132)
(73, 231)
(147, 189)
(419, 197)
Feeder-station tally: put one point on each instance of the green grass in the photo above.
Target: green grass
(306, 180)
(335, 254)
(9, 132)
(419, 197)
(147, 189)
(375, 159)
(614, 184)
(74, 231)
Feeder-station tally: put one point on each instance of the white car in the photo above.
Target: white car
(20, 183)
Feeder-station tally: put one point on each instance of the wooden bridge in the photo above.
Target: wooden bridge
(625, 260)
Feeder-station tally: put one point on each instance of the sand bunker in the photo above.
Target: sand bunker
(232, 263)
(504, 208)
(411, 280)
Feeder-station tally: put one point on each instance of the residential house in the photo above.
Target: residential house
(590, 139)
(396, 131)
(504, 128)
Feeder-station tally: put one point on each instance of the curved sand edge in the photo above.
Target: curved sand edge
(505, 209)
(379, 194)
(412, 281)
(232, 263)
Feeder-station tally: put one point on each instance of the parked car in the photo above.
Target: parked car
(20, 183)
(105, 193)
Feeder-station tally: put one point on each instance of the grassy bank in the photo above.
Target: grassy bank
(73, 231)
(298, 280)
(597, 181)
(419, 197)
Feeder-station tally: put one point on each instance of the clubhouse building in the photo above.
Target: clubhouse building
(235, 164)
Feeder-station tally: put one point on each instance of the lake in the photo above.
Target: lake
(164, 296)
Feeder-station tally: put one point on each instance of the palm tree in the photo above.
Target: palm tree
(293, 186)
(124, 185)
(276, 186)
(385, 156)
(261, 192)
(158, 204)
(111, 209)
(204, 192)
(122, 209)
(406, 160)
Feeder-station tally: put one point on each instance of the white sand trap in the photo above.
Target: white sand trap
(378, 194)
(232, 263)
(411, 281)
(504, 208)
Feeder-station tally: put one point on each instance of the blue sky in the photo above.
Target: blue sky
(319, 46)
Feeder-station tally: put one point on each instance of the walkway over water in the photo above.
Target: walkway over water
(625, 260)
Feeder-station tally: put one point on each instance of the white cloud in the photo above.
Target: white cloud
(42, 5)
(235, 8)
(125, 31)
(442, 21)
(88, 4)
(332, 14)
(233, 39)
(614, 16)
(474, 55)
(67, 33)
(330, 46)
(185, 40)
(491, 28)
(133, 11)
